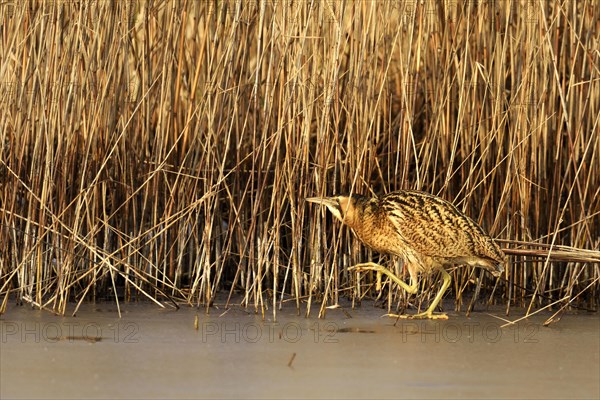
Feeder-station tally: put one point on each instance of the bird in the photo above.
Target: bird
(427, 232)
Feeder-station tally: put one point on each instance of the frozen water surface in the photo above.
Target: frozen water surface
(352, 353)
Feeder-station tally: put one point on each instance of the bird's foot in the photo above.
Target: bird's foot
(423, 315)
(371, 267)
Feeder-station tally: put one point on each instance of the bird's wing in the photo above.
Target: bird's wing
(436, 228)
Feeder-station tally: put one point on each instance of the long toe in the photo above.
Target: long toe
(438, 316)
(423, 315)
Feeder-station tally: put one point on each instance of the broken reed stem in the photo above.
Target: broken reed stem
(163, 149)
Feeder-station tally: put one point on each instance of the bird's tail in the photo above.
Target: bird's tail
(493, 266)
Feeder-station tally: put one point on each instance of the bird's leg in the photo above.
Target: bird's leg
(428, 314)
(412, 289)
(380, 270)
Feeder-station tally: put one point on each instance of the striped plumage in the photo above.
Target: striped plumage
(427, 232)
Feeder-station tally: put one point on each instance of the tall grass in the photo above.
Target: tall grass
(163, 149)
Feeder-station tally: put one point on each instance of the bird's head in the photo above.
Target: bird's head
(342, 207)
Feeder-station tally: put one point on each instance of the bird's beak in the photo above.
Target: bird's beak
(325, 201)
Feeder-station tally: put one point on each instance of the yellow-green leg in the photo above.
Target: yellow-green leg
(438, 297)
(412, 289)
(370, 266)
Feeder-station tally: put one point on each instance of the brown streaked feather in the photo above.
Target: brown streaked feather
(422, 228)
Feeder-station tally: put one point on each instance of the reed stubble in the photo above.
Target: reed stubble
(163, 149)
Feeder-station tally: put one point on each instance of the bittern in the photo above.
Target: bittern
(427, 232)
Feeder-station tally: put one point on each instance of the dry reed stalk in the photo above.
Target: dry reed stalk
(163, 149)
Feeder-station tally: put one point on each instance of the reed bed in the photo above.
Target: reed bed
(162, 150)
